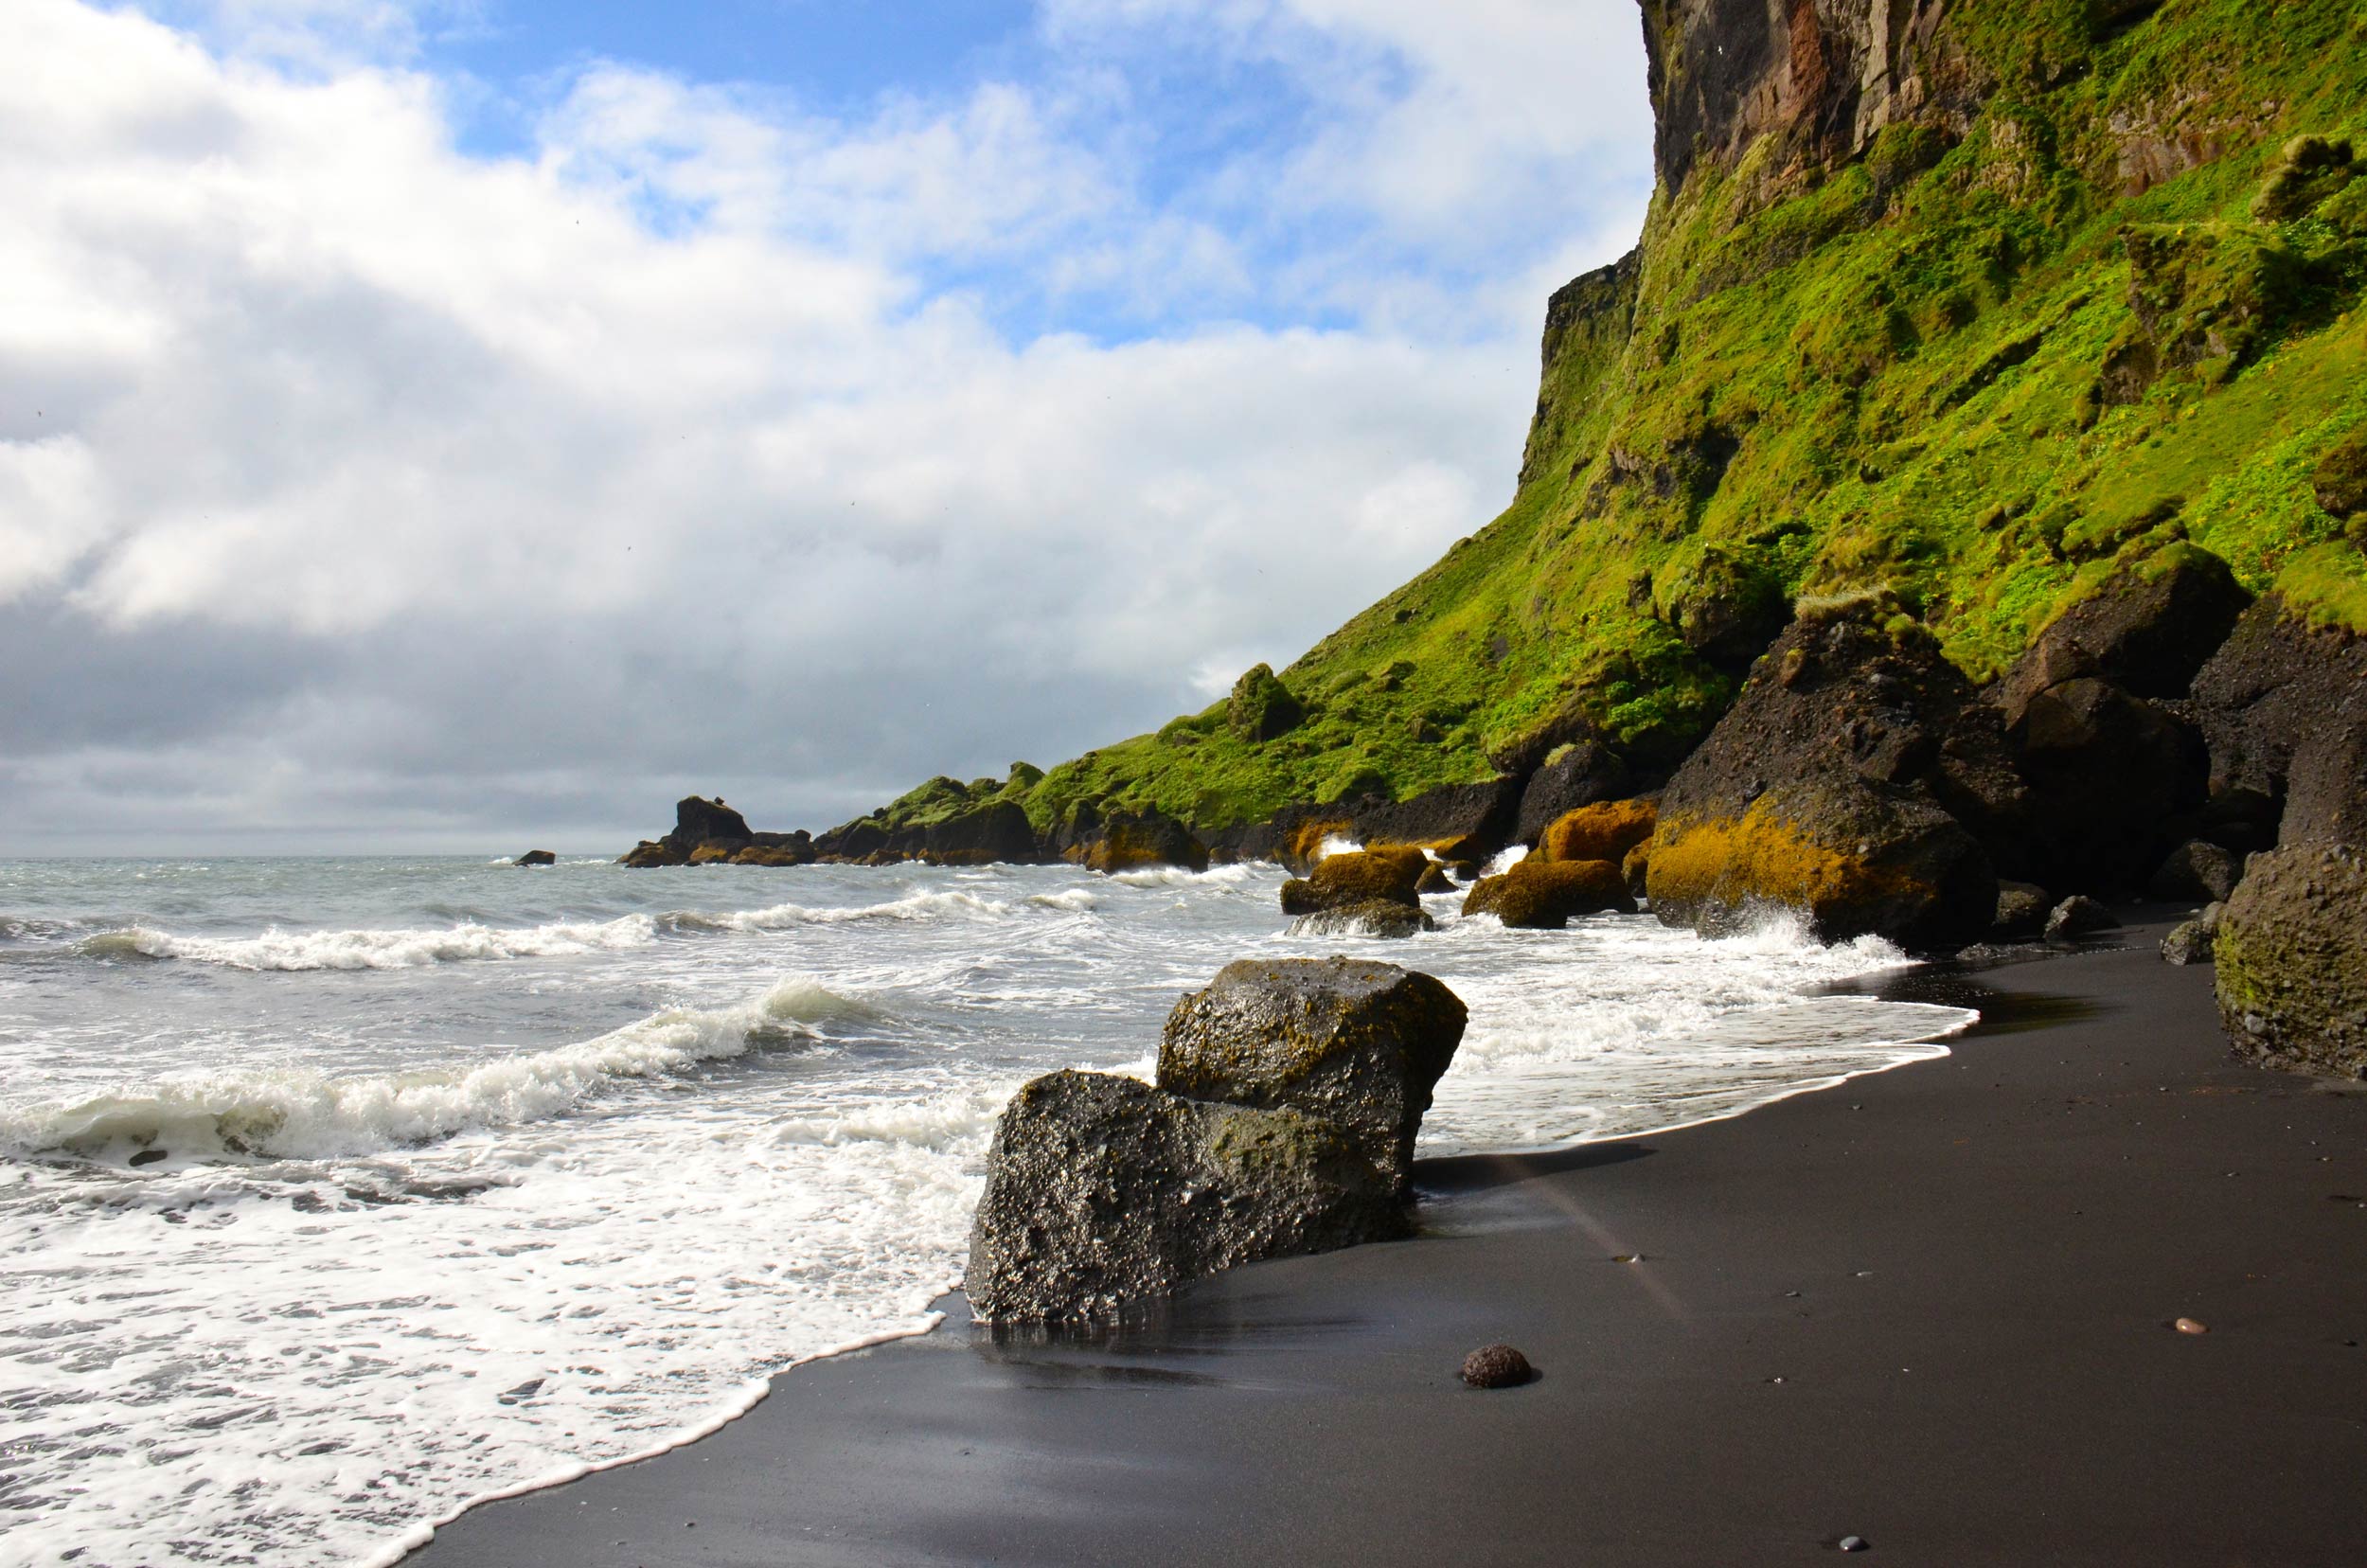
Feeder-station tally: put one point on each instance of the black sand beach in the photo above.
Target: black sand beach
(1932, 1308)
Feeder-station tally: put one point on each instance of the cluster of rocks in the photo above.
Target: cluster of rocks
(1283, 1121)
(708, 833)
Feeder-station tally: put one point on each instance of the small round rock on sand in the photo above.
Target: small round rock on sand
(1497, 1367)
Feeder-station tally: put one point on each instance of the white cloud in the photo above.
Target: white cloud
(691, 432)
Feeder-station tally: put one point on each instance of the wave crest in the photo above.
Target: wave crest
(298, 950)
(295, 1114)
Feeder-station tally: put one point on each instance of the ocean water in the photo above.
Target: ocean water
(337, 1194)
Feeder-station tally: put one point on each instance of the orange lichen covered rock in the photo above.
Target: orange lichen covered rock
(1302, 846)
(1605, 831)
(1391, 873)
(1915, 877)
(1544, 895)
(713, 854)
(1134, 843)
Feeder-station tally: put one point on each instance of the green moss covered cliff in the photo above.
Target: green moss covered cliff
(1970, 302)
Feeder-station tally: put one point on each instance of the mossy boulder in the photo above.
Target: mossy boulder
(1389, 874)
(1852, 782)
(712, 854)
(1102, 1191)
(1600, 832)
(2292, 969)
(651, 853)
(1547, 895)
(2311, 170)
(1132, 842)
(1261, 707)
(1358, 1043)
(2340, 480)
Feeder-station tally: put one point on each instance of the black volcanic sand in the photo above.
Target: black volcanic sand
(1932, 1308)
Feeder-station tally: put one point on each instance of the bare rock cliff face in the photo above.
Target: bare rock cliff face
(1825, 75)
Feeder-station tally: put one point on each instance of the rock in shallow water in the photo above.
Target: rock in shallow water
(1547, 895)
(1497, 1367)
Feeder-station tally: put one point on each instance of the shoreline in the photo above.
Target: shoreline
(2011, 1244)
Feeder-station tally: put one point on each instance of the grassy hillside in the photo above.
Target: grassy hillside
(2109, 304)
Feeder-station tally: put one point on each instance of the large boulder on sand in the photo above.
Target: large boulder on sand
(1547, 895)
(2292, 969)
(2292, 965)
(1853, 781)
(1390, 872)
(1290, 1093)
(1104, 1190)
(1358, 1043)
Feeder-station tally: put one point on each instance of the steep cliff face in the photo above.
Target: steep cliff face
(1974, 303)
(1821, 77)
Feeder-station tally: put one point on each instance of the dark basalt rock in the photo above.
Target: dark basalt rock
(2292, 971)
(1853, 780)
(536, 856)
(2078, 916)
(997, 831)
(2198, 870)
(1547, 895)
(1578, 773)
(1460, 821)
(2148, 629)
(2327, 788)
(1357, 1043)
(2022, 909)
(1102, 1191)
(1373, 918)
(1389, 874)
(1130, 842)
(856, 841)
(2112, 777)
(1497, 1367)
(2116, 773)
(1261, 707)
(2275, 682)
(699, 821)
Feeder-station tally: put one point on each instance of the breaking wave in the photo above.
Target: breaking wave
(294, 951)
(297, 1114)
(782, 916)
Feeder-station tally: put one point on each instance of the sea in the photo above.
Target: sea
(338, 1194)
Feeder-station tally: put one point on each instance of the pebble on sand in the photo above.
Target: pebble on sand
(2188, 1326)
(1856, 1544)
(1497, 1367)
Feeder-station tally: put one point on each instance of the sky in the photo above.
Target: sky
(462, 425)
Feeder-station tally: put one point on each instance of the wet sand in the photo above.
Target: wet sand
(1931, 1309)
